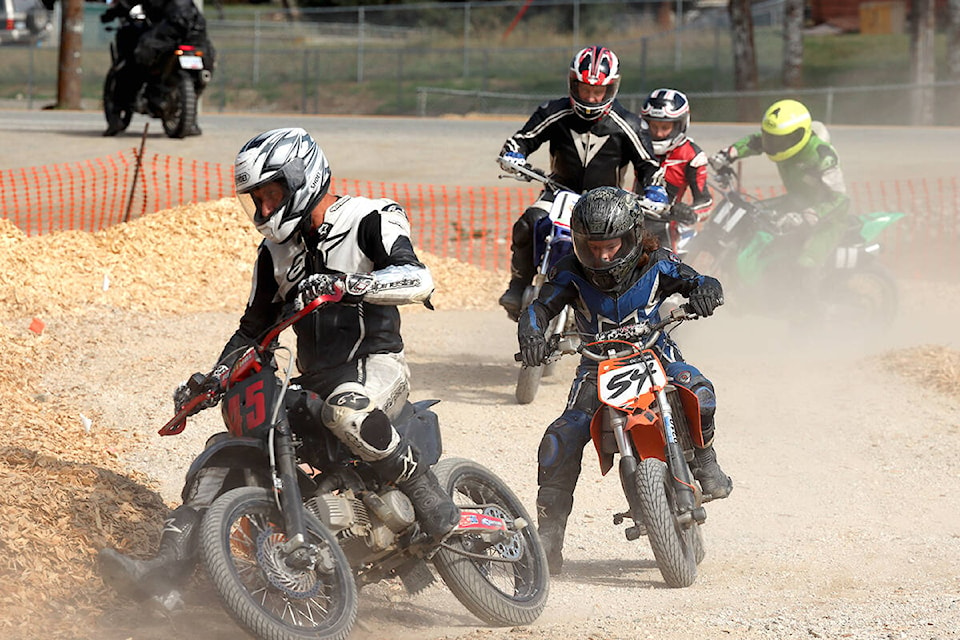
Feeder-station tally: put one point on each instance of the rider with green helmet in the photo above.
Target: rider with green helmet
(810, 171)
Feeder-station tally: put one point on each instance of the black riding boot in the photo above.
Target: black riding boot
(713, 481)
(553, 509)
(435, 509)
(170, 568)
(522, 268)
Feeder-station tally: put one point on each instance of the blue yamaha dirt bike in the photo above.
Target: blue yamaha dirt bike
(551, 242)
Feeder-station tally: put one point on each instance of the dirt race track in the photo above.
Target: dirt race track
(843, 522)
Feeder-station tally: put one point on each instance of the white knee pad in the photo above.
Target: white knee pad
(351, 415)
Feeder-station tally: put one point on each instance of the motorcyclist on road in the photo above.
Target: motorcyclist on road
(617, 275)
(809, 167)
(142, 45)
(592, 140)
(666, 114)
(354, 379)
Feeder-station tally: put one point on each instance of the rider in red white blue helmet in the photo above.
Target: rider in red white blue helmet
(593, 141)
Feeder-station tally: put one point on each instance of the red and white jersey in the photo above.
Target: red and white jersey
(686, 168)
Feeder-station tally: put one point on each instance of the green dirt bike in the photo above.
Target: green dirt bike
(753, 250)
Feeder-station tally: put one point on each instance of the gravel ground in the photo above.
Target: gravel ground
(842, 523)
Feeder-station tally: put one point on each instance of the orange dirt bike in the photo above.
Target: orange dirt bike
(300, 521)
(551, 242)
(653, 425)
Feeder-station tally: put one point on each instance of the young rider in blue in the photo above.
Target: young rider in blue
(617, 275)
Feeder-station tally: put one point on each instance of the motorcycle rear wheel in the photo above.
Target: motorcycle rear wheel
(118, 116)
(864, 298)
(180, 115)
(499, 593)
(674, 547)
(240, 543)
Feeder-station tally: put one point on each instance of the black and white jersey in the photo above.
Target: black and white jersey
(585, 154)
(358, 235)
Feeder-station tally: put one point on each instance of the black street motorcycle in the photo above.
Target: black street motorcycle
(168, 91)
(300, 521)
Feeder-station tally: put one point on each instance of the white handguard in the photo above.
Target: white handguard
(400, 284)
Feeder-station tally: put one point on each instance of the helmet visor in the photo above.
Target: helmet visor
(663, 129)
(600, 254)
(593, 94)
(774, 144)
(262, 202)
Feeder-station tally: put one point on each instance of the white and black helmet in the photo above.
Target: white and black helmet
(294, 160)
(667, 105)
(607, 214)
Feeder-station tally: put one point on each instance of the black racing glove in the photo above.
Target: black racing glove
(533, 349)
(199, 383)
(683, 213)
(706, 297)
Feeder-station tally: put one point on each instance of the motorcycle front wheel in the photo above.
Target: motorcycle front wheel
(118, 115)
(504, 584)
(242, 547)
(675, 548)
(180, 114)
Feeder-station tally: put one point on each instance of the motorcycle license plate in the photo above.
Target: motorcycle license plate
(562, 208)
(622, 380)
(727, 216)
(193, 63)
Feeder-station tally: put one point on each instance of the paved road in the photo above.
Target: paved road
(454, 151)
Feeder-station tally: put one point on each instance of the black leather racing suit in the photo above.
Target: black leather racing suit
(584, 154)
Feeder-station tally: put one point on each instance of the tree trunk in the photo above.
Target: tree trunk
(793, 43)
(922, 27)
(71, 44)
(744, 57)
(291, 10)
(953, 39)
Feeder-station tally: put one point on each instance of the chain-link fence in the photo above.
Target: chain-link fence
(491, 57)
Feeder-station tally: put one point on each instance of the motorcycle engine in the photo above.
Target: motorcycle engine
(375, 520)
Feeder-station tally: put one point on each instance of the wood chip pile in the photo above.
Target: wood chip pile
(63, 492)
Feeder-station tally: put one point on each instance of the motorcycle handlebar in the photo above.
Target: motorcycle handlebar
(211, 388)
(642, 335)
(528, 173)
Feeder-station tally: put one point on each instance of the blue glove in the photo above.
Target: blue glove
(655, 200)
(510, 160)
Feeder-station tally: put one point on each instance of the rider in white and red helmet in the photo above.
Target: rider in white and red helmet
(666, 115)
(593, 141)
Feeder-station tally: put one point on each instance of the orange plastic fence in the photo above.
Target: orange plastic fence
(471, 224)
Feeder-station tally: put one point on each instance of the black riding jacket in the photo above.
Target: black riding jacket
(585, 154)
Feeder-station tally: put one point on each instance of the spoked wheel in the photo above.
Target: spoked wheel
(180, 115)
(118, 115)
(275, 595)
(503, 584)
(674, 547)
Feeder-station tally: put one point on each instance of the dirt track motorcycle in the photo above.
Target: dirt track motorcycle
(753, 250)
(300, 521)
(653, 426)
(169, 91)
(551, 242)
